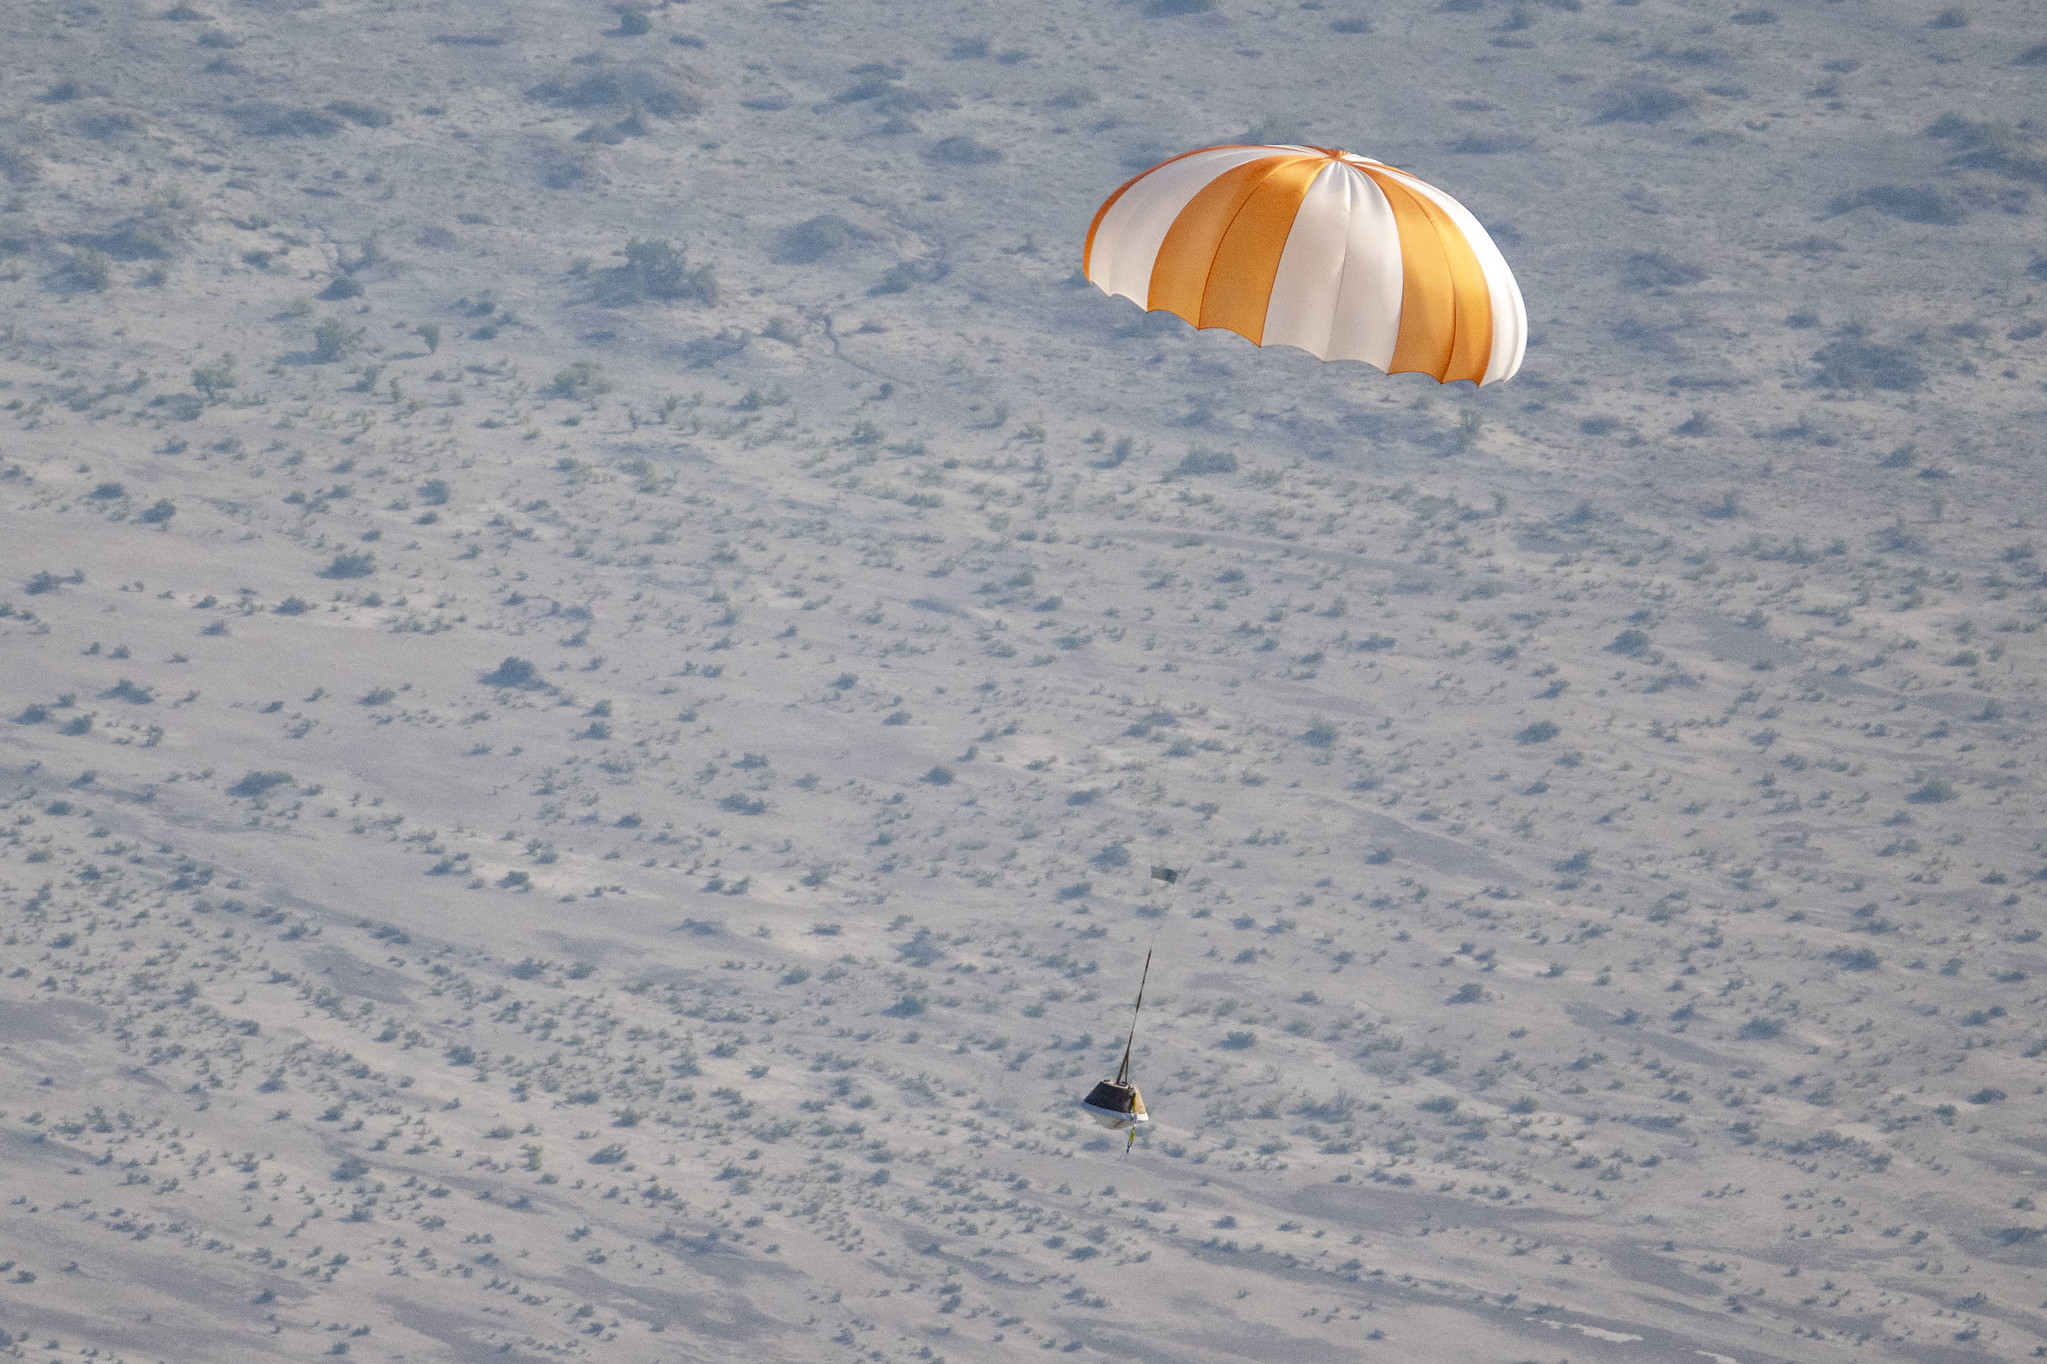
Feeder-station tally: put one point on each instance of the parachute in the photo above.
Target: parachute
(1342, 256)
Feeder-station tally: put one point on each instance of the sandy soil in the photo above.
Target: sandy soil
(560, 805)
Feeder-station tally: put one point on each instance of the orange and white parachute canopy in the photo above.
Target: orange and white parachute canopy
(1340, 255)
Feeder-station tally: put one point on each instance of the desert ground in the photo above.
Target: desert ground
(598, 635)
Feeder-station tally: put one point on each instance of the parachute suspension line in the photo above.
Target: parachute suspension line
(1123, 1071)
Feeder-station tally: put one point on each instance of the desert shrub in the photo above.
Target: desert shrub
(360, 114)
(560, 173)
(739, 803)
(2036, 55)
(1109, 858)
(1469, 993)
(100, 127)
(143, 238)
(278, 120)
(292, 606)
(898, 279)
(1653, 270)
(1632, 643)
(1541, 732)
(1987, 1095)
(1759, 1029)
(108, 492)
(656, 270)
(333, 340)
(1912, 203)
(1170, 9)
(1851, 361)
(429, 332)
(378, 696)
(1338, 1107)
(633, 21)
(1491, 144)
(1355, 24)
(909, 1006)
(1857, 959)
(961, 150)
(1238, 1041)
(1933, 791)
(620, 87)
(1200, 461)
(461, 1056)
(89, 269)
(706, 351)
(341, 287)
(434, 492)
(579, 382)
(874, 81)
(1320, 734)
(258, 783)
(351, 1169)
(1641, 104)
(17, 167)
(212, 379)
(1117, 453)
(351, 564)
(513, 672)
(938, 776)
(815, 238)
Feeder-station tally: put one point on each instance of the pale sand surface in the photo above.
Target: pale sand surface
(1538, 990)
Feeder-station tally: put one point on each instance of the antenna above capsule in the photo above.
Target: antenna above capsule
(1116, 1104)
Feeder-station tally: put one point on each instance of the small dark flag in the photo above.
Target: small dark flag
(1166, 874)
